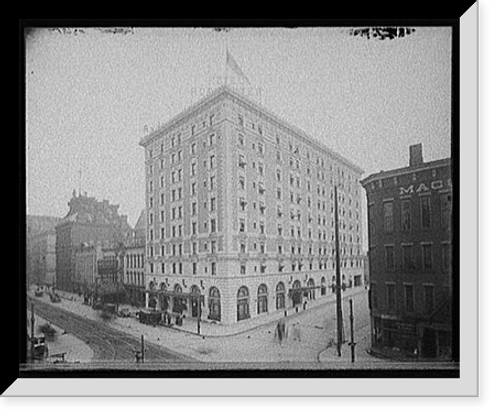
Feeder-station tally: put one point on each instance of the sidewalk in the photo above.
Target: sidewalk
(249, 341)
(75, 349)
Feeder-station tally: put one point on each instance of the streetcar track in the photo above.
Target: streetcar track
(114, 340)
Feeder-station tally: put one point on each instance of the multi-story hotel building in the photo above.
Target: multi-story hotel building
(410, 247)
(240, 210)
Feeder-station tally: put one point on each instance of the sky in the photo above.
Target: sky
(91, 92)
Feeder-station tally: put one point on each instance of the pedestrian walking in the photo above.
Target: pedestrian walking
(296, 332)
(279, 334)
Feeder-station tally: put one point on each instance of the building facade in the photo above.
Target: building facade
(41, 249)
(410, 249)
(88, 222)
(239, 209)
(129, 259)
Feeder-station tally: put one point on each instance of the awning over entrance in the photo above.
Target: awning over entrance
(182, 295)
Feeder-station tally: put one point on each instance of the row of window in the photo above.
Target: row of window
(134, 261)
(135, 278)
(408, 302)
(176, 139)
(294, 149)
(407, 213)
(295, 266)
(408, 259)
(178, 230)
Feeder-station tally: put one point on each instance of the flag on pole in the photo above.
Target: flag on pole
(233, 65)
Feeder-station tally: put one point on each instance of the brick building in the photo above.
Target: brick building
(41, 249)
(130, 266)
(88, 222)
(239, 207)
(410, 248)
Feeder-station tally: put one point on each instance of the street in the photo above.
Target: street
(308, 341)
(107, 343)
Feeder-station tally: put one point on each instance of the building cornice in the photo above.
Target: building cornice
(228, 92)
(405, 170)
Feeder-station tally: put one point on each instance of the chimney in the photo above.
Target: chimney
(416, 157)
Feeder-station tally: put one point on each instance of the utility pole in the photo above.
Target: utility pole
(352, 344)
(338, 286)
(32, 343)
(199, 313)
(142, 348)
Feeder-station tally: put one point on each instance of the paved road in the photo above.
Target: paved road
(107, 343)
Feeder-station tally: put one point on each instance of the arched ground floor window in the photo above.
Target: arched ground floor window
(214, 311)
(296, 295)
(280, 296)
(262, 299)
(243, 304)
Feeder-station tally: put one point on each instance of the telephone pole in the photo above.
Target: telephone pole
(352, 344)
(338, 286)
(32, 342)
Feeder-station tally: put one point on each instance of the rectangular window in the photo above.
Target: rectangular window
(446, 256)
(214, 268)
(195, 270)
(389, 258)
(405, 215)
(373, 296)
(429, 298)
(391, 297)
(409, 306)
(388, 217)
(212, 226)
(445, 201)
(407, 257)
(243, 269)
(425, 210)
(427, 256)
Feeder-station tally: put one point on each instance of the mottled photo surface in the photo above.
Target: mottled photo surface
(240, 199)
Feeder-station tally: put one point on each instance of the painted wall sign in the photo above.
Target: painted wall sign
(434, 185)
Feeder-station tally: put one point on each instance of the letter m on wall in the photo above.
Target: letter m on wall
(406, 191)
